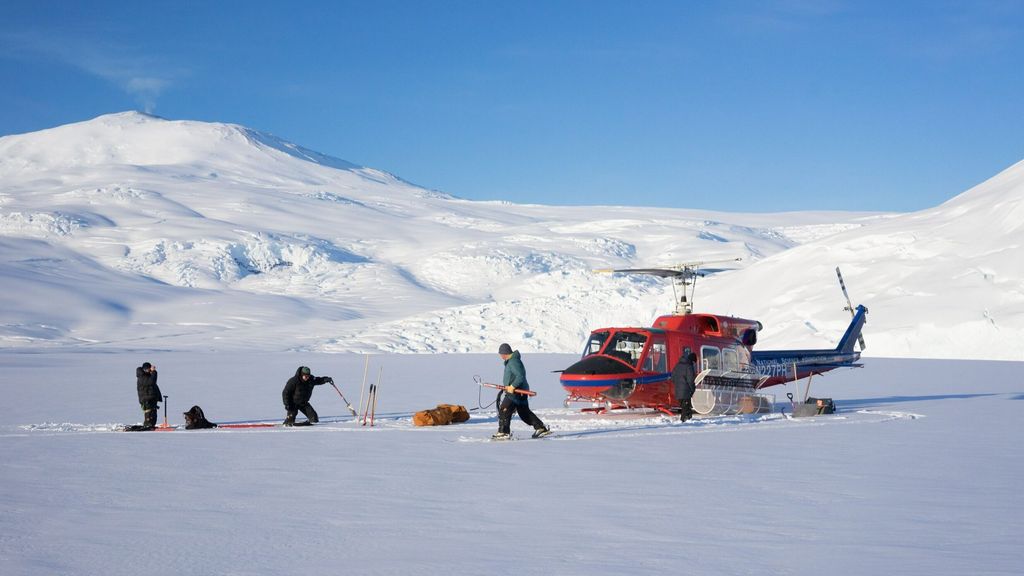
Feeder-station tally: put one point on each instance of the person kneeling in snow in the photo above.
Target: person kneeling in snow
(149, 394)
(298, 391)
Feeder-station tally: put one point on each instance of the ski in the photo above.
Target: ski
(141, 428)
(509, 438)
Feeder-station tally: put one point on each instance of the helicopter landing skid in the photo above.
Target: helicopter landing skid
(606, 409)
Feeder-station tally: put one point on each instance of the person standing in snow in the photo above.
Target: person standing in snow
(149, 393)
(298, 391)
(515, 379)
(683, 377)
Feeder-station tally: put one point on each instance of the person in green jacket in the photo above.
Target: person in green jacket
(515, 379)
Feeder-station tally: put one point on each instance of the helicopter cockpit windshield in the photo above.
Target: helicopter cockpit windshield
(626, 346)
(595, 343)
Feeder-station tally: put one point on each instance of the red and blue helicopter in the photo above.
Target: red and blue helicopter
(631, 367)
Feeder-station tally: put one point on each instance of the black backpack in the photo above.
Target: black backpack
(195, 419)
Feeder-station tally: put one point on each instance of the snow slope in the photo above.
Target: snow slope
(917, 474)
(944, 282)
(131, 231)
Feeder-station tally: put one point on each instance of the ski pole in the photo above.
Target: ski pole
(350, 408)
(165, 413)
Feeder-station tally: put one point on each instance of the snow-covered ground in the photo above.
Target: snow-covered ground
(916, 474)
(130, 231)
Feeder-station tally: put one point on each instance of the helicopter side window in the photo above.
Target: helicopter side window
(730, 359)
(710, 358)
(626, 346)
(593, 345)
(744, 356)
(655, 360)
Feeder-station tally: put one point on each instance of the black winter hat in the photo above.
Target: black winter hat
(146, 365)
(504, 349)
(305, 370)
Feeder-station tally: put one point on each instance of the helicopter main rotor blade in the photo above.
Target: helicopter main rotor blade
(660, 272)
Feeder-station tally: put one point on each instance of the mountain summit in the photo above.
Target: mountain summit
(139, 139)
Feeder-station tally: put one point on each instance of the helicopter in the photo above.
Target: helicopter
(630, 368)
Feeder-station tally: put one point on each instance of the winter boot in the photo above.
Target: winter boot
(686, 411)
(541, 432)
(289, 419)
(501, 436)
(149, 422)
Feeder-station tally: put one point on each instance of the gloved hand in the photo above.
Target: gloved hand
(330, 380)
(510, 389)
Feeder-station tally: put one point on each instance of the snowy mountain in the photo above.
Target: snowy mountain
(131, 231)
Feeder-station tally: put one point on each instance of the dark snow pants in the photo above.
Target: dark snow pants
(149, 410)
(307, 409)
(522, 407)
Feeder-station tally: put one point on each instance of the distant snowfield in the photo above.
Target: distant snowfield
(917, 474)
(133, 232)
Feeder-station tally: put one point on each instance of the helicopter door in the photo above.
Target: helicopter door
(656, 359)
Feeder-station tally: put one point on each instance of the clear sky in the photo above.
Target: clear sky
(737, 106)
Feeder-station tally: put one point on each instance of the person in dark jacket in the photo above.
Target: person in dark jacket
(149, 393)
(298, 391)
(683, 376)
(515, 379)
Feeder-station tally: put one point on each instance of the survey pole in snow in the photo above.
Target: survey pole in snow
(366, 367)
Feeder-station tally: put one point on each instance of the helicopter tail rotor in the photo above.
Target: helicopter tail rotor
(849, 305)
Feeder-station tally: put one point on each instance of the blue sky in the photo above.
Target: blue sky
(736, 106)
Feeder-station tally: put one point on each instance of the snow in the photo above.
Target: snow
(916, 474)
(228, 257)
